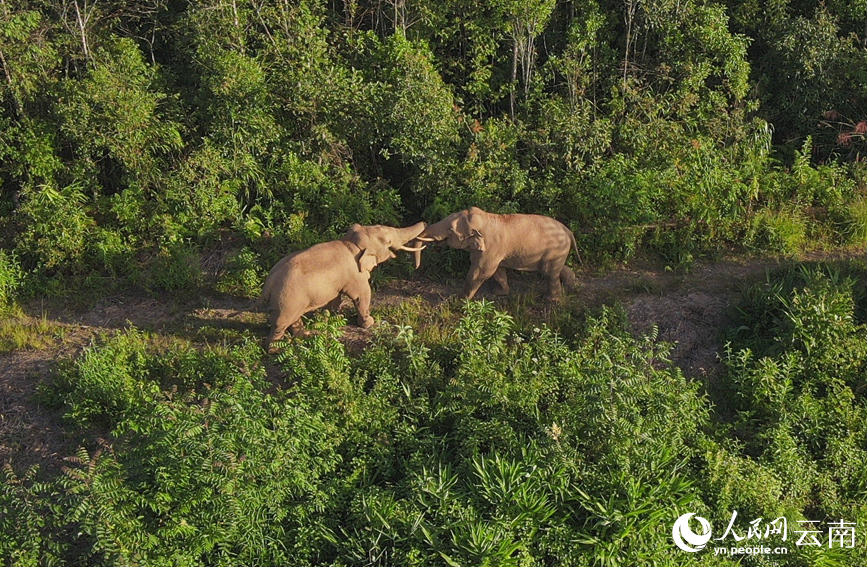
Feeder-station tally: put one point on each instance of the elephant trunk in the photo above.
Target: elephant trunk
(409, 236)
(410, 232)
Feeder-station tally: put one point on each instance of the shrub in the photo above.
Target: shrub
(194, 439)
(850, 222)
(56, 228)
(11, 278)
(798, 373)
(29, 520)
(782, 231)
(106, 381)
(177, 267)
(243, 275)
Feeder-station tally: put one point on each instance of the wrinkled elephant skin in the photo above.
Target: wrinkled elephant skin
(317, 276)
(517, 241)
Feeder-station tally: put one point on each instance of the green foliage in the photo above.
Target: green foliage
(56, 228)
(105, 382)
(111, 117)
(783, 231)
(850, 221)
(18, 331)
(11, 278)
(177, 268)
(243, 275)
(195, 439)
(486, 443)
(143, 129)
(489, 447)
(797, 364)
(29, 509)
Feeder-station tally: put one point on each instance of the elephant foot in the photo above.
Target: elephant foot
(366, 322)
(553, 298)
(467, 294)
(502, 291)
(272, 348)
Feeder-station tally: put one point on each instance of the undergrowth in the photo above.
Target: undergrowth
(461, 435)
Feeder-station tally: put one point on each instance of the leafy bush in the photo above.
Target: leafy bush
(243, 275)
(195, 439)
(11, 278)
(782, 231)
(850, 222)
(797, 365)
(176, 268)
(56, 228)
(30, 534)
(478, 450)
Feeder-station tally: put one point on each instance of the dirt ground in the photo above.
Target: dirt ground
(689, 309)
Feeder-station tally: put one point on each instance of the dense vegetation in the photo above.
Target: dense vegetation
(140, 140)
(133, 135)
(476, 442)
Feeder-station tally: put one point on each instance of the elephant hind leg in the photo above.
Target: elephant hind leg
(555, 290)
(567, 277)
(553, 274)
(279, 325)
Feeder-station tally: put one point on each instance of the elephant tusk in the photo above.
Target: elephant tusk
(408, 249)
(426, 239)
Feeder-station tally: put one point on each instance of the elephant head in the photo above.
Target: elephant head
(462, 230)
(378, 243)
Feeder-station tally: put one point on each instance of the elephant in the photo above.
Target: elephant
(317, 276)
(517, 241)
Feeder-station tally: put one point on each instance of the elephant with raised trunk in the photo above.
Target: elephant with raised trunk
(495, 242)
(316, 277)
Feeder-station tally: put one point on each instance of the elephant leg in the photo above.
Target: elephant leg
(478, 274)
(297, 329)
(362, 304)
(502, 281)
(567, 277)
(555, 290)
(279, 325)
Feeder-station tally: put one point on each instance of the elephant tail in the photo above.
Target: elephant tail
(254, 306)
(575, 245)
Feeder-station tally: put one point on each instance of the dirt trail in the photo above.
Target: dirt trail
(689, 309)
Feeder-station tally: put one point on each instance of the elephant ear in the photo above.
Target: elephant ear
(475, 242)
(366, 261)
(471, 237)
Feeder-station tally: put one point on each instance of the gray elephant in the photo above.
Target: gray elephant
(520, 242)
(317, 276)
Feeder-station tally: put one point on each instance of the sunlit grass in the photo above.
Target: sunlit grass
(19, 331)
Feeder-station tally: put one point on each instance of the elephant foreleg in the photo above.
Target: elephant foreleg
(478, 274)
(362, 304)
(502, 281)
